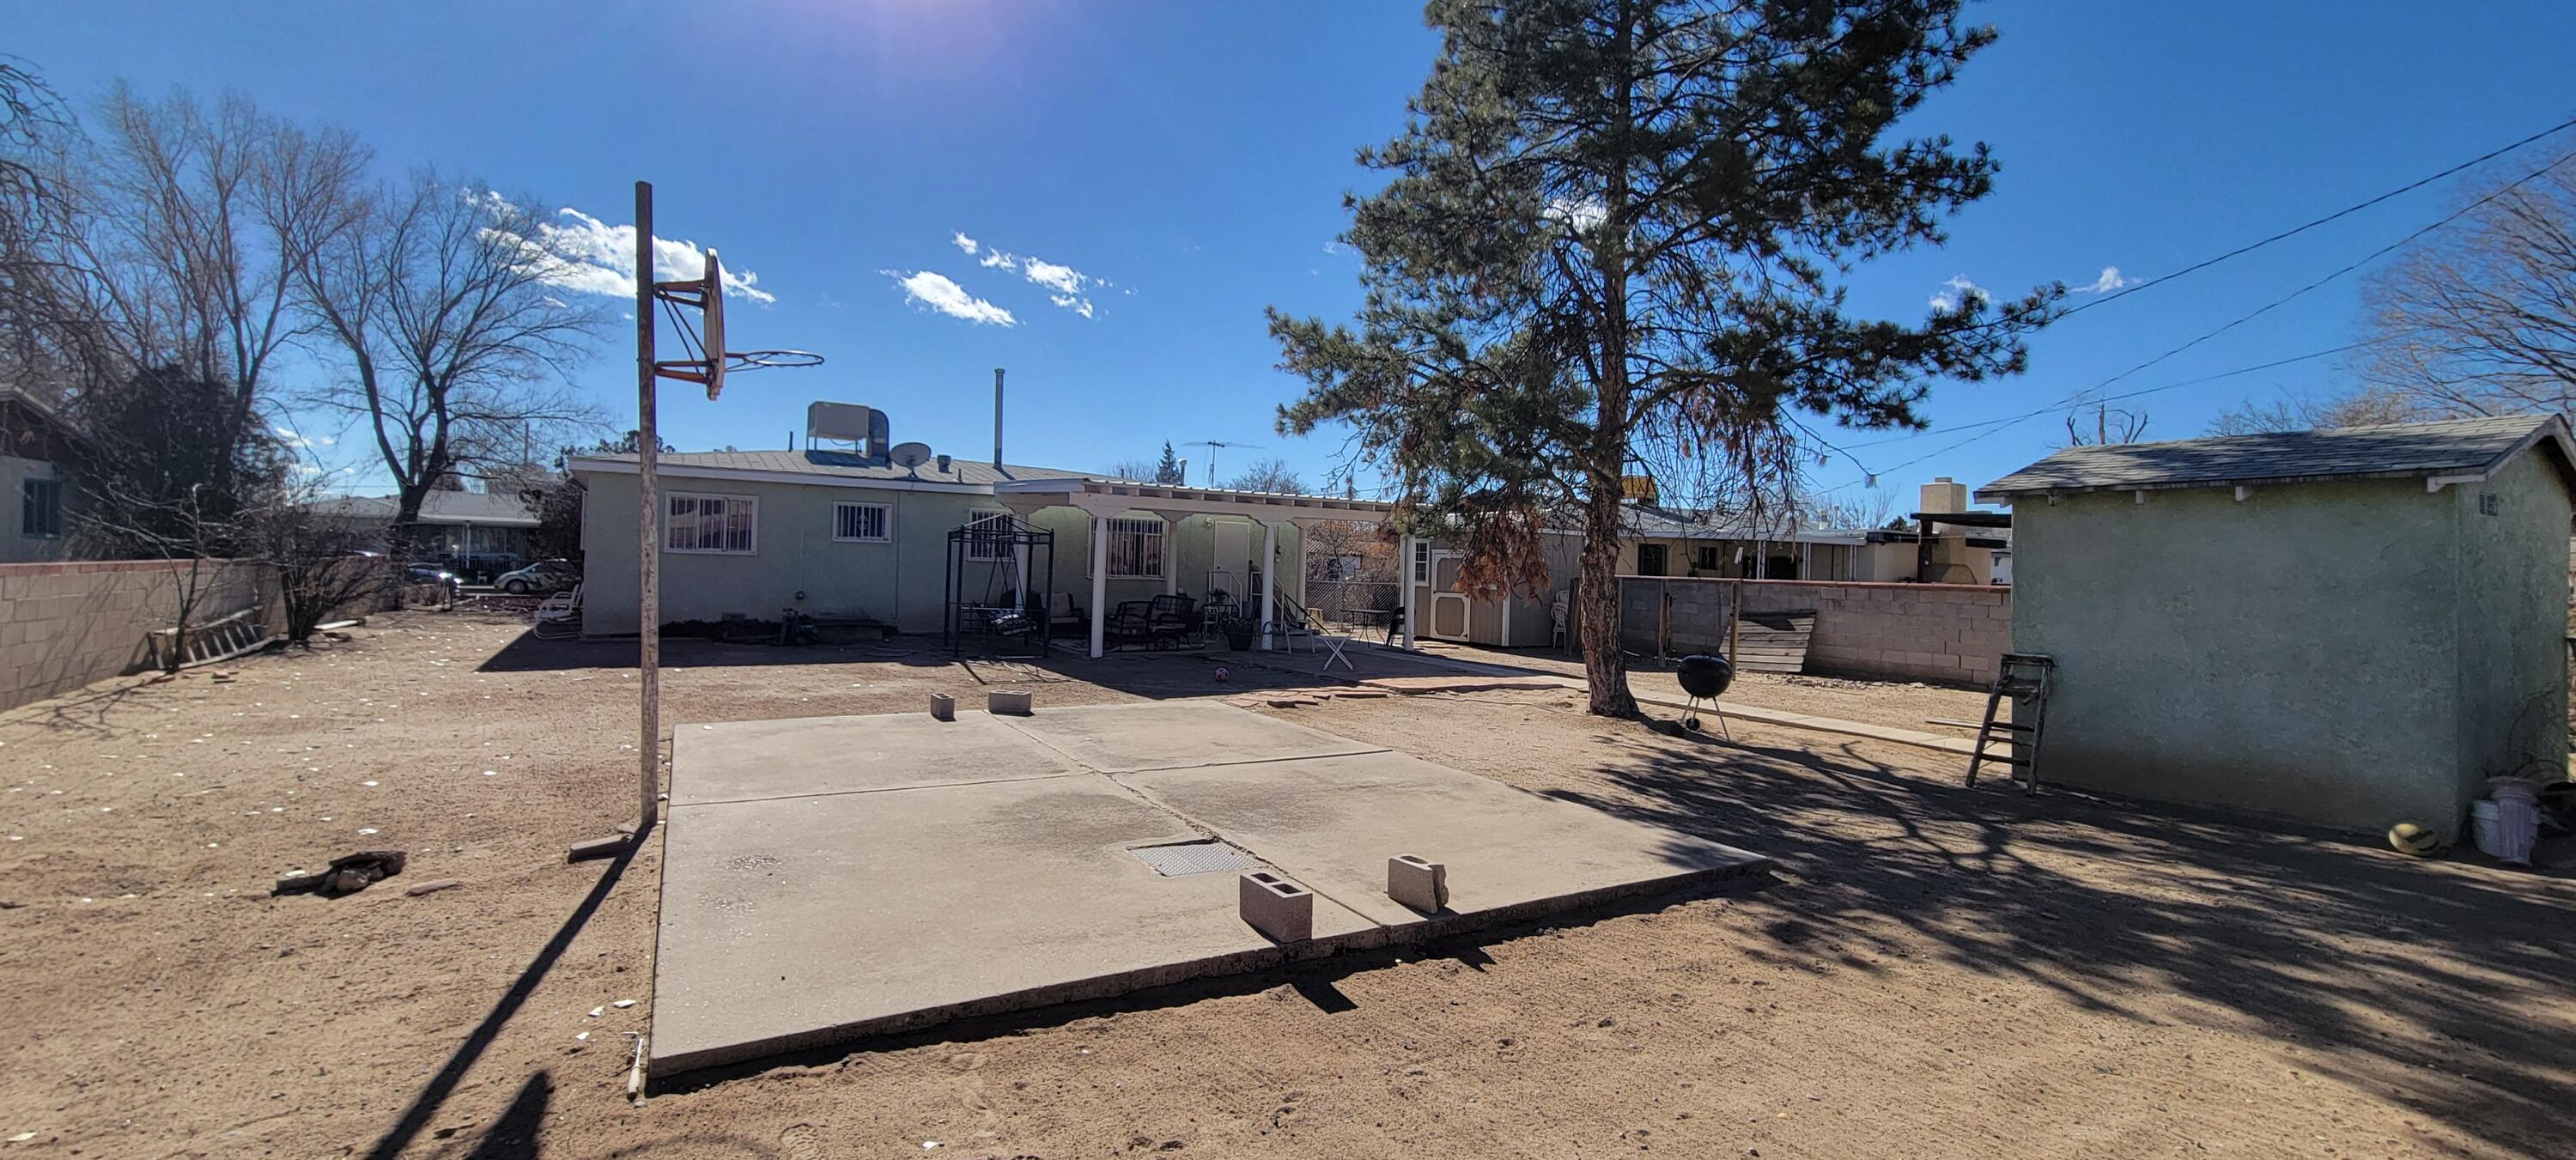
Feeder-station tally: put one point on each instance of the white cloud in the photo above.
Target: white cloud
(287, 436)
(1957, 291)
(2111, 279)
(585, 255)
(961, 241)
(934, 291)
(1068, 287)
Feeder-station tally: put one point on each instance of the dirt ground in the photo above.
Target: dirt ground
(1932, 971)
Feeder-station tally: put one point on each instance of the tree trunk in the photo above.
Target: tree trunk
(1605, 663)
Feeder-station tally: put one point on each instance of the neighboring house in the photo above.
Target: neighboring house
(39, 454)
(1682, 542)
(477, 533)
(2352, 627)
(853, 534)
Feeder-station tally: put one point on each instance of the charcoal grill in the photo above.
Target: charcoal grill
(1704, 678)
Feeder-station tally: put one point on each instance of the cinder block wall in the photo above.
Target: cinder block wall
(65, 625)
(1918, 632)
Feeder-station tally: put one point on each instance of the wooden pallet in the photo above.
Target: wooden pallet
(1773, 642)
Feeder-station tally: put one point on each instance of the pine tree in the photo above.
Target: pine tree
(1614, 231)
(1169, 470)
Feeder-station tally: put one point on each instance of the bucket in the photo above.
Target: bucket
(2505, 830)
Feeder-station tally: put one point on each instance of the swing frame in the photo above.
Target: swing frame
(1006, 547)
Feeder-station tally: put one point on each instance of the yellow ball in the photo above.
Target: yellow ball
(2410, 838)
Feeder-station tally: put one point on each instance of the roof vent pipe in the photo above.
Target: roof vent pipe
(997, 418)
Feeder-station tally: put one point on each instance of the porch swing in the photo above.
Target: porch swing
(992, 568)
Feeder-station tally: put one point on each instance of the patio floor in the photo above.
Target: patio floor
(828, 879)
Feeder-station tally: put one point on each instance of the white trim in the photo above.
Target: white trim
(667, 470)
(1096, 495)
(885, 520)
(663, 532)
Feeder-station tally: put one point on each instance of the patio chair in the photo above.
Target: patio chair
(558, 616)
(1169, 618)
(1064, 617)
(1130, 622)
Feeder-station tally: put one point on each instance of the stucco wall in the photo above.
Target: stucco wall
(2343, 653)
(1923, 632)
(902, 582)
(65, 625)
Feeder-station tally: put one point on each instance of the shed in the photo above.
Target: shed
(2349, 627)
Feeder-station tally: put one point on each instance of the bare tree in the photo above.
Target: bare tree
(1135, 469)
(2110, 425)
(1872, 509)
(453, 346)
(2367, 407)
(2480, 318)
(1272, 474)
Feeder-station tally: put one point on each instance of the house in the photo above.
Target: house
(39, 454)
(2351, 627)
(479, 534)
(1949, 543)
(858, 534)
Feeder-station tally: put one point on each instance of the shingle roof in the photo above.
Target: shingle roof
(2393, 451)
(489, 508)
(844, 464)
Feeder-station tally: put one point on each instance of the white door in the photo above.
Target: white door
(1230, 568)
(1449, 619)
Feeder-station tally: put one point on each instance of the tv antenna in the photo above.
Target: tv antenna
(1213, 446)
(710, 362)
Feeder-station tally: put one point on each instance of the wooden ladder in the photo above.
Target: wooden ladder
(2021, 677)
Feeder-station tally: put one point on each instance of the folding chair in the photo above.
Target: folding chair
(1333, 643)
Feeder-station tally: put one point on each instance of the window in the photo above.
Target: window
(1650, 559)
(40, 508)
(711, 523)
(1421, 562)
(866, 523)
(1136, 549)
(1707, 561)
(989, 545)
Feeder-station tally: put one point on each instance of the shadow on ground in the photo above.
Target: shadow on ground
(2423, 980)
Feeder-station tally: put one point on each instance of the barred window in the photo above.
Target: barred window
(985, 534)
(711, 523)
(40, 508)
(1136, 549)
(866, 523)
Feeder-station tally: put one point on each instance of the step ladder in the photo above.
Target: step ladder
(2023, 677)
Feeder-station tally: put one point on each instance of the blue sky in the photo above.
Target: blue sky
(1187, 160)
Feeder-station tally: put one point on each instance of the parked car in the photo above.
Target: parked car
(430, 574)
(542, 576)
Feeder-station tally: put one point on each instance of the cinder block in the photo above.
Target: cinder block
(1012, 701)
(1276, 907)
(1418, 883)
(943, 707)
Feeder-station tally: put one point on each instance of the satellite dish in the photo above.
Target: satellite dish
(909, 455)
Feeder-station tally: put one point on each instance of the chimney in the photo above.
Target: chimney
(997, 418)
(1942, 495)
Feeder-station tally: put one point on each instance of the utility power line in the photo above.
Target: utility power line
(2346, 211)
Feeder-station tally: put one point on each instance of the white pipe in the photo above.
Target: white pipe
(1269, 580)
(1405, 570)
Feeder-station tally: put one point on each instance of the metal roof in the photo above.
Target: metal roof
(2454, 451)
(835, 464)
(486, 508)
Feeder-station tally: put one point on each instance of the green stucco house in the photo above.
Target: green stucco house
(853, 533)
(2349, 627)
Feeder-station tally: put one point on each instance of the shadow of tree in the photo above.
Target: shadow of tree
(2443, 983)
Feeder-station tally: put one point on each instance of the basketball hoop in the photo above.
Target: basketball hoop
(713, 361)
(754, 360)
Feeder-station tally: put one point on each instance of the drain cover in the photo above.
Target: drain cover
(1193, 858)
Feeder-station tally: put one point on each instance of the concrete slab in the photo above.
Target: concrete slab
(1332, 822)
(835, 878)
(1171, 734)
(743, 760)
(789, 923)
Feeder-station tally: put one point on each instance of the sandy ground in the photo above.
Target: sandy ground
(1933, 971)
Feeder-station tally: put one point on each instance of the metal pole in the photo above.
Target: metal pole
(648, 527)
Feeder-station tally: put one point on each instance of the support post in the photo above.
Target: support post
(1404, 573)
(1099, 585)
(1269, 580)
(1172, 550)
(648, 528)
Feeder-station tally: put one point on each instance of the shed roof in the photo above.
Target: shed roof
(487, 508)
(2453, 451)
